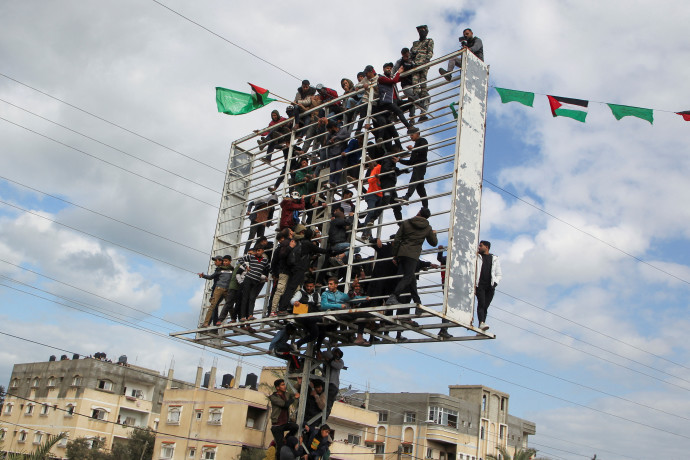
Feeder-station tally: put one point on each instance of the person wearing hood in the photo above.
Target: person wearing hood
(260, 213)
(407, 247)
(275, 138)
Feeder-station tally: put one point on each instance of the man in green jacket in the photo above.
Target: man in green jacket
(407, 247)
(281, 401)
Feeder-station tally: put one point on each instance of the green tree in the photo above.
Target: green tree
(520, 454)
(138, 447)
(41, 452)
(78, 449)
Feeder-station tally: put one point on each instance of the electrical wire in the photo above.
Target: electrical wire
(110, 163)
(111, 123)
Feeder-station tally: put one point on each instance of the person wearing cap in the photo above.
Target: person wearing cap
(260, 213)
(291, 204)
(406, 63)
(302, 102)
(407, 247)
(221, 278)
(327, 95)
(422, 52)
(418, 161)
(388, 93)
(468, 42)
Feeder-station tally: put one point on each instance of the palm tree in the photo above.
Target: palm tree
(42, 451)
(520, 454)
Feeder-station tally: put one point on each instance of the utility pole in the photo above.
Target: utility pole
(400, 452)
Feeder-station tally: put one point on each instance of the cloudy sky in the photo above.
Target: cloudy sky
(588, 218)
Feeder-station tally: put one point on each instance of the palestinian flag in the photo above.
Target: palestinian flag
(685, 114)
(568, 107)
(234, 102)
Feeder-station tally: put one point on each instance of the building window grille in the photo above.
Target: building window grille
(215, 416)
(410, 417)
(354, 439)
(444, 416)
(174, 415)
(383, 417)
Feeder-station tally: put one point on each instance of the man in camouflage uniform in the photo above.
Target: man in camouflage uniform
(422, 52)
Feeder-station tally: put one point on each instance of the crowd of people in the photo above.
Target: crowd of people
(315, 213)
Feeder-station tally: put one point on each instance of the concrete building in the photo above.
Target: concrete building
(466, 424)
(90, 398)
(218, 423)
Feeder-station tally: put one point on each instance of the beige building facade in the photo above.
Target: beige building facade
(218, 423)
(90, 398)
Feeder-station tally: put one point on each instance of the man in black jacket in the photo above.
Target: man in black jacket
(407, 248)
(221, 281)
(418, 161)
(468, 42)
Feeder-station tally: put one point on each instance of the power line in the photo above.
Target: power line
(226, 40)
(108, 162)
(112, 123)
(94, 236)
(111, 147)
(104, 215)
(587, 233)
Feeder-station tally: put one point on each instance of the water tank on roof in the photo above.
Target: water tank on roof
(75, 356)
(227, 381)
(103, 355)
(122, 359)
(63, 358)
(52, 358)
(251, 381)
(207, 379)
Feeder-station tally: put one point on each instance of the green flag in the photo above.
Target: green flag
(510, 95)
(620, 111)
(237, 103)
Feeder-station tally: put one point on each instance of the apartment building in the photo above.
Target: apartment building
(91, 398)
(467, 424)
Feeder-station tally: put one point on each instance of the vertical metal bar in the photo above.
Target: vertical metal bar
(463, 233)
(360, 186)
(304, 389)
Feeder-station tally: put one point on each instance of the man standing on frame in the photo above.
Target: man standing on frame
(489, 270)
(422, 52)
(467, 41)
(407, 248)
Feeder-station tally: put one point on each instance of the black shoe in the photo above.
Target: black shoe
(423, 118)
(445, 74)
(443, 333)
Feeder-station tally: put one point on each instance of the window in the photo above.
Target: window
(8, 408)
(354, 439)
(106, 385)
(192, 452)
(209, 454)
(410, 417)
(483, 403)
(407, 448)
(383, 417)
(500, 457)
(380, 449)
(70, 410)
(99, 414)
(22, 436)
(501, 431)
(444, 416)
(2, 434)
(215, 415)
(29, 409)
(503, 403)
(198, 414)
(51, 381)
(481, 433)
(76, 381)
(63, 441)
(174, 413)
(137, 394)
(34, 382)
(460, 457)
(167, 450)
(429, 452)
(15, 383)
(38, 437)
(44, 409)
